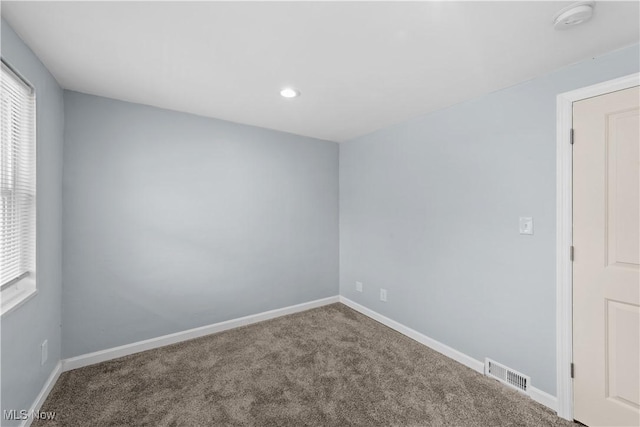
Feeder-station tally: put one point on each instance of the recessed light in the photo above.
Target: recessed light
(573, 15)
(289, 92)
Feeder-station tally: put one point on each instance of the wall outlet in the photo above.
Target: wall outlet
(383, 295)
(44, 352)
(359, 286)
(526, 225)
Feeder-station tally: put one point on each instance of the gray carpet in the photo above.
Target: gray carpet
(327, 366)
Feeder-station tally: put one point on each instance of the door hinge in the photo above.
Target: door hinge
(572, 371)
(571, 136)
(571, 253)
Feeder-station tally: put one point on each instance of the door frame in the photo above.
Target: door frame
(564, 232)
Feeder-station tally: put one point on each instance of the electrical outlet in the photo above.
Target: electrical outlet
(359, 286)
(383, 295)
(44, 349)
(526, 225)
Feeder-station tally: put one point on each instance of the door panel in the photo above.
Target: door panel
(623, 329)
(622, 189)
(606, 273)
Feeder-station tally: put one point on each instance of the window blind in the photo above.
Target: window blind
(17, 178)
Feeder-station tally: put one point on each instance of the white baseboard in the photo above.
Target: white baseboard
(536, 394)
(44, 393)
(454, 354)
(136, 347)
(544, 398)
(125, 350)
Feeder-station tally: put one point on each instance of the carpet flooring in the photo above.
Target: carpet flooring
(329, 366)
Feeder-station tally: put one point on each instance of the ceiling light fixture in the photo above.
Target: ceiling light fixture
(289, 92)
(573, 15)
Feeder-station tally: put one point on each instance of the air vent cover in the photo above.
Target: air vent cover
(506, 375)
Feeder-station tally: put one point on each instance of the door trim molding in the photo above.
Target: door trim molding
(564, 235)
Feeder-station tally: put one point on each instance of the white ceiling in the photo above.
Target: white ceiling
(360, 66)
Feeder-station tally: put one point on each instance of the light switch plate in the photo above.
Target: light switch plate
(526, 225)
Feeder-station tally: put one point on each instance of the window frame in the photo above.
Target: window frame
(22, 288)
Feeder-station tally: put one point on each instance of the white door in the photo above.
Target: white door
(606, 279)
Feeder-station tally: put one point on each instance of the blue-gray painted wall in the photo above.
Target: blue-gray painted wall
(174, 221)
(429, 211)
(25, 328)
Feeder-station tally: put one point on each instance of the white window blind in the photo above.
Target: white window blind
(17, 179)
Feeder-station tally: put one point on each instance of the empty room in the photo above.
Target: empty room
(313, 213)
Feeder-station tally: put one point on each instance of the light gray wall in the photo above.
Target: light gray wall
(429, 210)
(173, 221)
(24, 329)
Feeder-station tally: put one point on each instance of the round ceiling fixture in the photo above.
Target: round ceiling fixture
(573, 15)
(289, 92)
